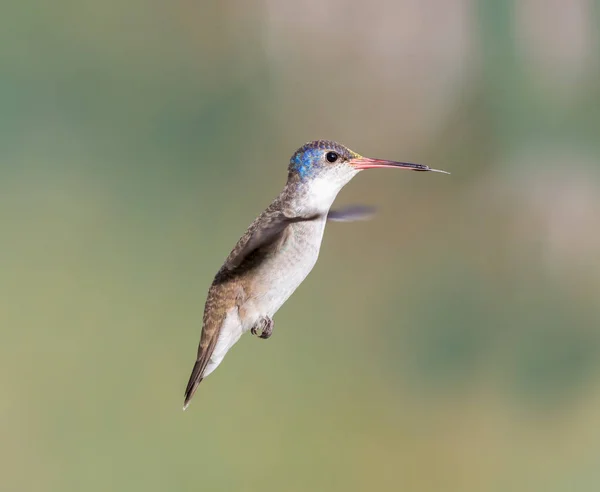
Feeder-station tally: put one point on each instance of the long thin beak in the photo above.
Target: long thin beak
(368, 163)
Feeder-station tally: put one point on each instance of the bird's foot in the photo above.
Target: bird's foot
(263, 328)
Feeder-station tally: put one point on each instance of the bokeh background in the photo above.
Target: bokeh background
(452, 343)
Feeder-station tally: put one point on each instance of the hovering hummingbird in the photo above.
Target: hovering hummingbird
(279, 250)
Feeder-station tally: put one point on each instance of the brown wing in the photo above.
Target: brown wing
(265, 230)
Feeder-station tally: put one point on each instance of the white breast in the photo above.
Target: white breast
(281, 275)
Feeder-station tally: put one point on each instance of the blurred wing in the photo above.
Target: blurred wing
(351, 213)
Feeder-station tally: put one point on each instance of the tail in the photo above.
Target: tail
(195, 380)
(211, 334)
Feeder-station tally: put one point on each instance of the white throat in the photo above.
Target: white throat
(321, 191)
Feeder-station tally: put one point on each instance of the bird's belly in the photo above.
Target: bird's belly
(282, 273)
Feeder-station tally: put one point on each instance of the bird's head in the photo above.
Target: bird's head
(323, 167)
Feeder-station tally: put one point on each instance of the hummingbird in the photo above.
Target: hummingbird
(279, 250)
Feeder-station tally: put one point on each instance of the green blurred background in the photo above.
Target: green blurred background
(451, 344)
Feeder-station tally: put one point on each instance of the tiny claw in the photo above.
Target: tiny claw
(263, 328)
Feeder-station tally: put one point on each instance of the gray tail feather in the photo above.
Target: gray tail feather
(195, 380)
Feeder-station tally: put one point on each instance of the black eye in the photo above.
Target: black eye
(332, 156)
